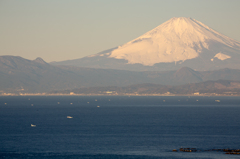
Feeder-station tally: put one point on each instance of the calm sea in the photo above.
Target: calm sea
(108, 127)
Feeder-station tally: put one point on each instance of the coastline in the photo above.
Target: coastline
(124, 94)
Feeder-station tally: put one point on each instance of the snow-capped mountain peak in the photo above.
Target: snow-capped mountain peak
(179, 42)
(178, 39)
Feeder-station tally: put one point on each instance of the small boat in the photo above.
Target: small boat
(33, 125)
(69, 117)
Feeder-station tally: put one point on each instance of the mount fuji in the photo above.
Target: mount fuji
(179, 42)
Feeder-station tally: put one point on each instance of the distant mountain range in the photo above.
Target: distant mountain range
(34, 76)
(179, 42)
(179, 56)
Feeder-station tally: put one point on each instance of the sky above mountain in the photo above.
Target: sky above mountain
(59, 30)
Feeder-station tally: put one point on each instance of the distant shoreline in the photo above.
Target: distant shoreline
(38, 94)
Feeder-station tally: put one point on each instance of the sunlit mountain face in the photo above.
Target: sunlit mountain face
(179, 42)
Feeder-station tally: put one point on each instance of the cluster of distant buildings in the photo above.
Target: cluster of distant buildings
(114, 93)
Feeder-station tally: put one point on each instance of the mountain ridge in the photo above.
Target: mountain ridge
(21, 75)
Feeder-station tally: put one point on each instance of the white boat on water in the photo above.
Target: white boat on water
(69, 117)
(33, 125)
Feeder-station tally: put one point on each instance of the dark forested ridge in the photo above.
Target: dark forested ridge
(220, 87)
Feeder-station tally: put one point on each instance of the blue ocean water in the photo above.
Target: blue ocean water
(109, 127)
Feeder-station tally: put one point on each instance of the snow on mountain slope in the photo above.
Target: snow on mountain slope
(221, 56)
(178, 39)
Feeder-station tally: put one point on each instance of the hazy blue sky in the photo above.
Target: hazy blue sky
(58, 30)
